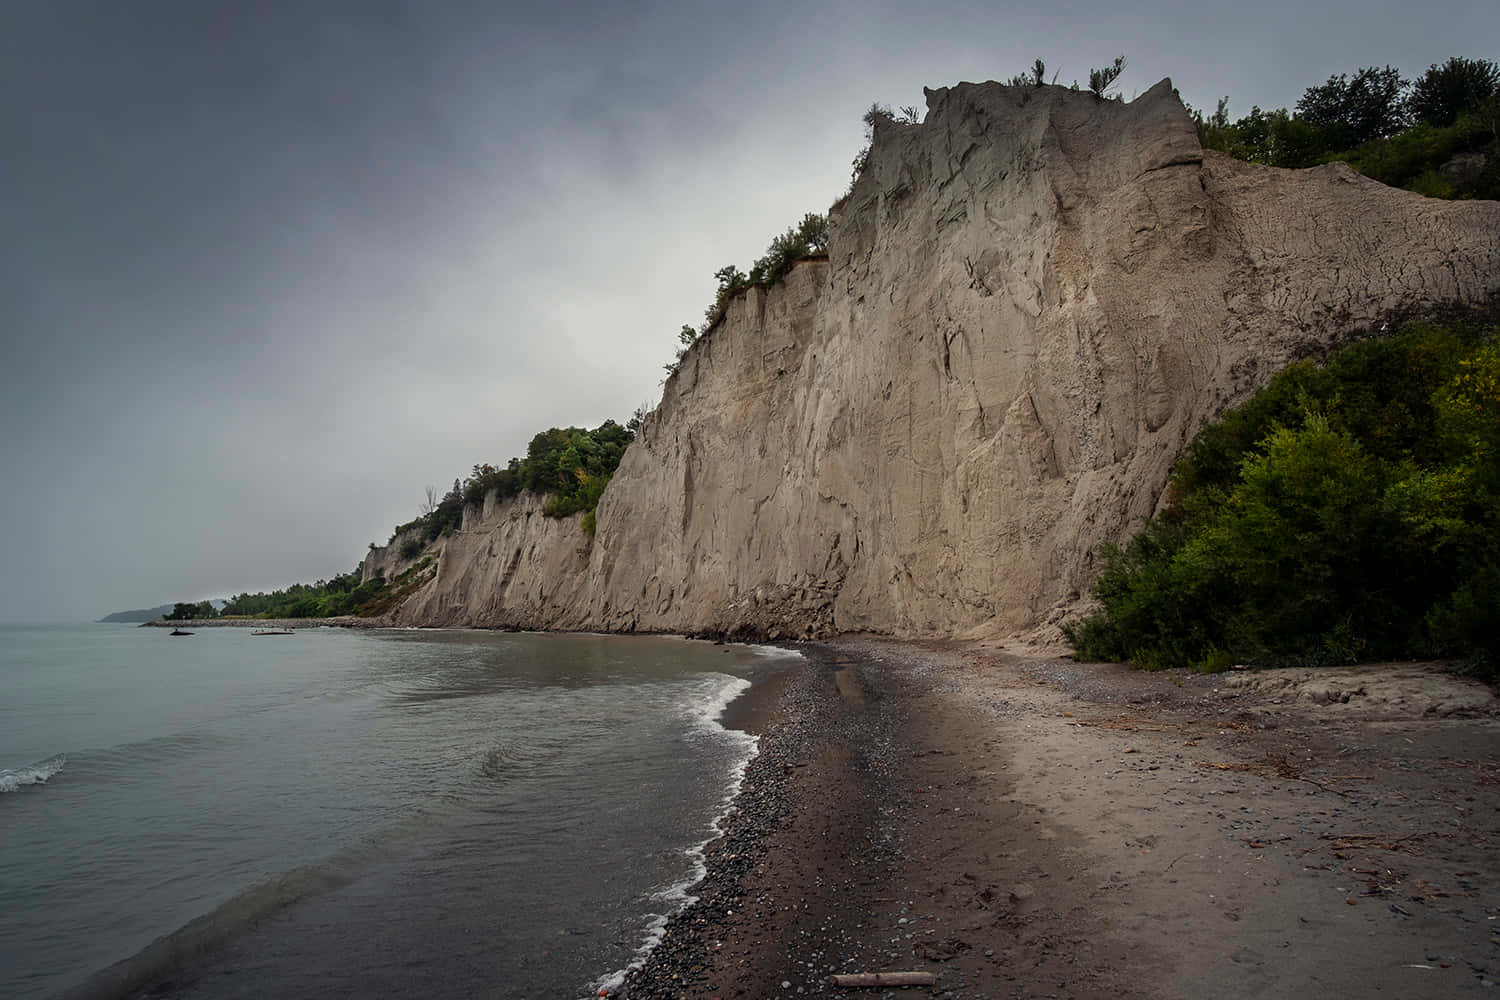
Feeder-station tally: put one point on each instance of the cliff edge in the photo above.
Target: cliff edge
(1033, 300)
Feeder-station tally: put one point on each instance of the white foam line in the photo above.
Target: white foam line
(679, 895)
(775, 652)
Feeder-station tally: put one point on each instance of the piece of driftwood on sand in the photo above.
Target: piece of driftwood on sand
(884, 979)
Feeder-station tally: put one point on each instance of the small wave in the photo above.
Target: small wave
(31, 774)
(705, 707)
(708, 700)
(129, 760)
(775, 652)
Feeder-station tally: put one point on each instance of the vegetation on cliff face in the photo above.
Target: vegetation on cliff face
(1347, 512)
(807, 239)
(345, 594)
(1438, 135)
(569, 466)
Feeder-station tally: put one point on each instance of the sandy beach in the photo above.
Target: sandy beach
(1020, 825)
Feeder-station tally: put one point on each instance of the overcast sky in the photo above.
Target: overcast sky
(269, 269)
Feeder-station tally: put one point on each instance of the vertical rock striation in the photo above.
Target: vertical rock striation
(1032, 300)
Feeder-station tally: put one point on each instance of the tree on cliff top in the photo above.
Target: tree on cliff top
(1353, 112)
(1442, 141)
(1457, 87)
(809, 238)
(1100, 80)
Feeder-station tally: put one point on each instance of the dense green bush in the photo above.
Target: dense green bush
(569, 466)
(1348, 511)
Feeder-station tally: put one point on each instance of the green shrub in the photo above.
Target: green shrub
(1345, 512)
(809, 238)
(570, 467)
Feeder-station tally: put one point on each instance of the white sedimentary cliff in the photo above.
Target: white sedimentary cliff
(1033, 299)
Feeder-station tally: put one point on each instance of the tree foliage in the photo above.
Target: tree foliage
(873, 117)
(568, 466)
(809, 238)
(1458, 87)
(1100, 80)
(1443, 140)
(1034, 77)
(344, 594)
(1346, 512)
(1370, 106)
(188, 610)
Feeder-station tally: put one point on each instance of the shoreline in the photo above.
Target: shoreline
(341, 621)
(1022, 825)
(749, 713)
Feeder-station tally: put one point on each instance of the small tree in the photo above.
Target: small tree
(1457, 87)
(813, 231)
(1034, 77)
(731, 281)
(1354, 111)
(1100, 80)
(877, 113)
(685, 339)
(638, 418)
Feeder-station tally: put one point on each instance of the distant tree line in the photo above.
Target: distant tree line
(188, 610)
(1409, 134)
(344, 594)
(568, 466)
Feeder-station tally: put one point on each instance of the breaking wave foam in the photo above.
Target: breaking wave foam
(776, 652)
(705, 708)
(31, 774)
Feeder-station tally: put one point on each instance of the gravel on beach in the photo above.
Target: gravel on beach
(1024, 826)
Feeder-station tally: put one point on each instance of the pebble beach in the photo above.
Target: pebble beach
(1020, 825)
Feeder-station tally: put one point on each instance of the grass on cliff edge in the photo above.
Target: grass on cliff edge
(1347, 512)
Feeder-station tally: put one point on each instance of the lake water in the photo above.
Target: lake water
(340, 813)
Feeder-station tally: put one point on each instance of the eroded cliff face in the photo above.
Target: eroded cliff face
(1033, 299)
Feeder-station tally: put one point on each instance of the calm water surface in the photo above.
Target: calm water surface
(352, 813)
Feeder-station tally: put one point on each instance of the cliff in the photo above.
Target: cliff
(1032, 300)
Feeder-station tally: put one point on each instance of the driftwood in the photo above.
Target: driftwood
(884, 979)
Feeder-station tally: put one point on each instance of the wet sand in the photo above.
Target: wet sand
(1024, 826)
